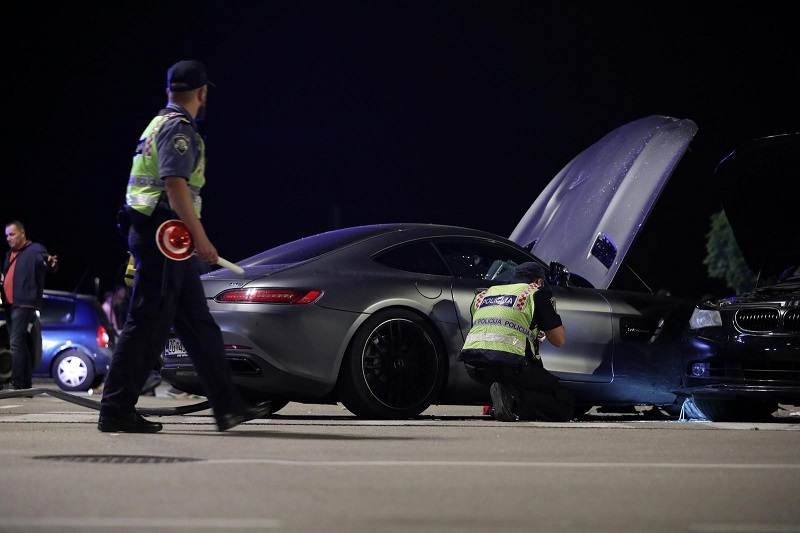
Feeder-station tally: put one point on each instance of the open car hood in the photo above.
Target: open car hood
(589, 214)
(756, 184)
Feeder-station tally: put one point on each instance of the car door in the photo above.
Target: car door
(588, 352)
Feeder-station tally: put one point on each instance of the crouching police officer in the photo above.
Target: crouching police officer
(502, 348)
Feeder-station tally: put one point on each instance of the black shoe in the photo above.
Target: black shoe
(503, 403)
(10, 387)
(130, 423)
(229, 420)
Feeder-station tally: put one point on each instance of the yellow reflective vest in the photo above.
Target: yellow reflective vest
(501, 318)
(145, 185)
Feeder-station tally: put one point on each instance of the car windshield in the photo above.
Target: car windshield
(790, 274)
(314, 246)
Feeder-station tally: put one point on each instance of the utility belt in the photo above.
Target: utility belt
(524, 362)
(128, 217)
(144, 230)
(489, 373)
(515, 367)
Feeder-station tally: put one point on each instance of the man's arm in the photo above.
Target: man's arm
(52, 263)
(180, 199)
(548, 318)
(556, 336)
(49, 262)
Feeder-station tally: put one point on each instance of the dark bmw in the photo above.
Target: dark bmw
(742, 353)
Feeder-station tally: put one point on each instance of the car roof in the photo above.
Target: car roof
(314, 246)
(66, 294)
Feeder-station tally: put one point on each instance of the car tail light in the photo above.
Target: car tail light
(103, 339)
(268, 296)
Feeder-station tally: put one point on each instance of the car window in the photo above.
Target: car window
(57, 311)
(480, 260)
(791, 273)
(420, 257)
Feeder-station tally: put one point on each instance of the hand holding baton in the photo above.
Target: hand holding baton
(175, 241)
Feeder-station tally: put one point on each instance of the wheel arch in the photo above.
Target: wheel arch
(61, 349)
(437, 334)
(374, 310)
(390, 310)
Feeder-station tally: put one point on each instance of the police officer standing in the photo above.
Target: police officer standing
(167, 175)
(501, 350)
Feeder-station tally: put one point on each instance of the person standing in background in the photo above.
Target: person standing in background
(115, 305)
(24, 270)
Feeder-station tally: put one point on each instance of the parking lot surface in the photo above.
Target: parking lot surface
(318, 468)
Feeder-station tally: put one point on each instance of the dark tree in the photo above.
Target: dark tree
(724, 259)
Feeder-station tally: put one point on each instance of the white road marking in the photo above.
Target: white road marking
(749, 528)
(150, 524)
(511, 464)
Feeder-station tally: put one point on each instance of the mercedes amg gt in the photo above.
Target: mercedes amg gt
(374, 316)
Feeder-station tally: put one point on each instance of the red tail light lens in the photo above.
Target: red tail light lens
(103, 339)
(268, 296)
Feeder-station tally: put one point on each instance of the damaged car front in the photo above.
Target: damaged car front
(741, 354)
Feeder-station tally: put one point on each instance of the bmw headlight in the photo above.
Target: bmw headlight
(705, 318)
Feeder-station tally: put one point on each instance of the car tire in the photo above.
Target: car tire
(393, 368)
(6, 364)
(736, 410)
(673, 409)
(73, 371)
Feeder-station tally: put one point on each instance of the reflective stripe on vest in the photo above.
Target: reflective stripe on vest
(499, 317)
(150, 201)
(496, 337)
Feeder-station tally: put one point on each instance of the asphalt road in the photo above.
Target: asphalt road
(313, 468)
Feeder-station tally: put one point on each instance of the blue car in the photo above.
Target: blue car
(77, 341)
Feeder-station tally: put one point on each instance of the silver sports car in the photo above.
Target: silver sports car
(374, 316)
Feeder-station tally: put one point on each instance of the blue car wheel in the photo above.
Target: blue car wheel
(73, 371)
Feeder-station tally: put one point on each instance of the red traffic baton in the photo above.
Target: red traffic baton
(175, 241)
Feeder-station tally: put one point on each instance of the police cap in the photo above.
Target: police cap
(528, 272)
(187, 76)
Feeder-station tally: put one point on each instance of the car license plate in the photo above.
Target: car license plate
(174, 348)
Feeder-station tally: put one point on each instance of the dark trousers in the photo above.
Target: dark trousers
(166, 293)
(19, 320)
(538, 394)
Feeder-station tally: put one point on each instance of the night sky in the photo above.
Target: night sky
(338, 113)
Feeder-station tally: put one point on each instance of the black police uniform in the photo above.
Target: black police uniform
(167, 293)
(538, 394)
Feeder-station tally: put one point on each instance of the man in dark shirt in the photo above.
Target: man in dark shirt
(502, 348)
(24, 271)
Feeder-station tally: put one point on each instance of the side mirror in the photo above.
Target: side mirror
(559, 275)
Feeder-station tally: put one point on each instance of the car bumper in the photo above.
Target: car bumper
(266, 361)
(752, 366)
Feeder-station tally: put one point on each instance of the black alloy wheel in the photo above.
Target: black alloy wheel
(394, 367)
